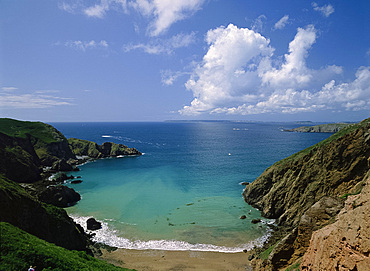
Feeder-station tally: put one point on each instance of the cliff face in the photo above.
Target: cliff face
(42, 220)
(108, 149)
(331, 168)
(18, 159)
(306, 191)
(345, 244)
(323, 128)
(48, 143)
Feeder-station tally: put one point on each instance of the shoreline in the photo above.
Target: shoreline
(161, 260)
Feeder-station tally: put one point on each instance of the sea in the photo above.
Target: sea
(185, 191)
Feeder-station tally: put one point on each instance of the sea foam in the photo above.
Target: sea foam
(109, 236)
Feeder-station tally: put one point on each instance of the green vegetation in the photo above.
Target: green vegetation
(39, 130)
(322, 128)
(346, 130)
(294, 267)
(19, 250)
(82, 147)
(265, 254)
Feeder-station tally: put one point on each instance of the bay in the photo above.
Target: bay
(184, 192)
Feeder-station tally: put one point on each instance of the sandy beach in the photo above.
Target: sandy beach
(158, 260)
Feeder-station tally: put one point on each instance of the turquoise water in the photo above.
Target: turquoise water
(184, 192)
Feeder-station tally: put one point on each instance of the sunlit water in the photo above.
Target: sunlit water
(184, 193)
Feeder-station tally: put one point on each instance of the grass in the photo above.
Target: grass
(347, 130)
(19, 250)
(21, 129)
(265, 254)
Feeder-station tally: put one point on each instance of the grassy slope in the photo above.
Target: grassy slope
(342, 132)
(19, 250)
(39, 130)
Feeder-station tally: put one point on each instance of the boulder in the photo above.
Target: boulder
(92, 224)
(60, 196)
(61, 165)
(255, 221)
(243, 217)
(76, 181)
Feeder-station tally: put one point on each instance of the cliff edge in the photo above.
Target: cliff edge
(305, 191)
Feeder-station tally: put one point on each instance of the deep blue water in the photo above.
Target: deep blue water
(184, 192)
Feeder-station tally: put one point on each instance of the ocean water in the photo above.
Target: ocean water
(184, 193)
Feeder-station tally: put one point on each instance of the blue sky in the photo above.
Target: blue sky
(154, 60)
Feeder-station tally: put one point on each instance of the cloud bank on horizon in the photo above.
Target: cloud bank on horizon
(228, 67)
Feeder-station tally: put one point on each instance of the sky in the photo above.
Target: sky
(156, 60)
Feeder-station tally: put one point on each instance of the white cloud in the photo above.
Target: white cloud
(166, 12)
(325, 10)
(228, 72)
(257, 25)
(282, 22)
(31, 101)
(99, 10)
(9, 89)
(160, 46)
(162, 13)
(169, 77)
(85, 45)
(240, 75)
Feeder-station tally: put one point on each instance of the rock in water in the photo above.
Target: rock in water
(255, 221)
(60, 196)
(92, 224)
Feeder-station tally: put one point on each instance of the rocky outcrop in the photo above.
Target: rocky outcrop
(345, 244)
(60, 196)
(286, 190)
(18, 159)
(322, 128)
(92, 224)
(108, 149)
(42, 220)
(302, 192)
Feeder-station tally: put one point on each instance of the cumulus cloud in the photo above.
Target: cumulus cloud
(240, 75)
(325, 10)
(282, 22)
(166, 46)
(85, 45)
(228, 72)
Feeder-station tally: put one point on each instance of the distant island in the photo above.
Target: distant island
(322, 128)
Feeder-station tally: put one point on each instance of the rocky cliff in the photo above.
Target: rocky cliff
(91, 149)
(322, 128)
(345, 244)
(293, 190)
(45, 221)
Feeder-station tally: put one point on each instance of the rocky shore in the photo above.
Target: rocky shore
(306, 194)
(319, 198)
(33, 157)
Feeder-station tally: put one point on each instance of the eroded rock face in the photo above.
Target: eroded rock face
(60, 196)
(42, 220)
(286, 190)
(345, 244)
